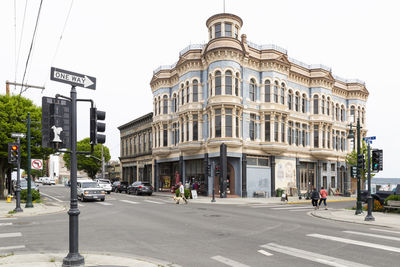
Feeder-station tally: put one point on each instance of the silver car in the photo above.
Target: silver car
(89, 189)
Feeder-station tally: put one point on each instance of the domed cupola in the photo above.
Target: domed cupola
(224, 25)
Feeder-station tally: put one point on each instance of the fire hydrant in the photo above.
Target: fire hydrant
(9, 197)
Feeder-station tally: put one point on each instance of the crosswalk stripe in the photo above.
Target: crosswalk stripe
(270, 206)
(105, 203)
(229, 262)
(311, 256)
(51, 197)
(155, 202)
(287, 208)
(128, 201)
(12, 247)
(4, 224)
(6, 218)
(10, 235)
(355, 242)
(265, 252)
(374, 235)
(383, 230)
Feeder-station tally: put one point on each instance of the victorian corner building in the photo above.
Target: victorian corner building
(285, 123)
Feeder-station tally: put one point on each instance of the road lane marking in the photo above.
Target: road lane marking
(380, 230)
(288, 208)
(311, 256)
(4, 224)
(12, 247)
(80, 205)
(355, 242)
(51, 197)
(229, 262)
(128, 201)
(155, 202)
(270, 206)
(6, 218)
(10, 235)
(264, 252)
(105, 203)
(374, 235)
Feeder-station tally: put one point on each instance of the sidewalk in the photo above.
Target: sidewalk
(244, 201)
(390, 220)
(91, 259)
(38, 209)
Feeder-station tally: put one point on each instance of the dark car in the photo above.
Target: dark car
(140, 188)
(120, 186)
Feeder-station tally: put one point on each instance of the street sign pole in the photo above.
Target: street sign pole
(18, 189)
(28, 147)
(369, 216)
(73, 258)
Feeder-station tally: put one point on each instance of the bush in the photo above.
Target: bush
(392, 197)
(35, 194)
(187, 193)
(377, 205)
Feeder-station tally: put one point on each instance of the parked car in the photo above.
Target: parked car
(380, 195)
(46, 180)
(52, 181)
(105, 184)
(24, 185)
(120, 186)
(140, 188)
(89, 189)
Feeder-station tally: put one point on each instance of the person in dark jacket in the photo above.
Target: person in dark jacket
(314, 198)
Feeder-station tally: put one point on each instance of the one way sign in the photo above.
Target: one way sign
(72, 78)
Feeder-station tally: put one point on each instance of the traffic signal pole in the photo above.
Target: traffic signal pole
(73, 258)
(18, 185)
(28, 147)
(369, 216)
(359, 166)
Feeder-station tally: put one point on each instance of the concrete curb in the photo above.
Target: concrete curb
(37, 210)
(332, 200)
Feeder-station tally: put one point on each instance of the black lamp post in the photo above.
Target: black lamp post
(359, 166)
(351, 136)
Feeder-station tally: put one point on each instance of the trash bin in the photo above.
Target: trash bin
(279, 192)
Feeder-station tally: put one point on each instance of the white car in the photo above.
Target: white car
(105, 184)
(46, 180)
(52, 181)
(89, 189)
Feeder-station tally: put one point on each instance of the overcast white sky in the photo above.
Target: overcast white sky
(122, 42)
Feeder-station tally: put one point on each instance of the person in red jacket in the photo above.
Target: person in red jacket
(323, 194)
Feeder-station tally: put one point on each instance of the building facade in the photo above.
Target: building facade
(285, 123)
(113, 170)
(136, 149)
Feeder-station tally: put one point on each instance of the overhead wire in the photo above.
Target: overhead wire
(30, 49)
(15, 41)
(20, 40)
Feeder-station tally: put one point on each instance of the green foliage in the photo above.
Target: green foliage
(187, 193)
(35, 194)
(392, 197)
(13, 113)
(351, 160)
(88, 164)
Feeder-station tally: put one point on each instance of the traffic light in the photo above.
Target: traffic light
(13, 152)
(217, 170)
(377, 160)
(96, 126)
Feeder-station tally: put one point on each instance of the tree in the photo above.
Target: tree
(88, 164)
(13, 112)
(351, 160)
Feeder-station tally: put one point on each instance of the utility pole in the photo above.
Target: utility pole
(20, 84)
(28, 147)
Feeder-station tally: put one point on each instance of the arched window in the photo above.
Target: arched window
(165, 104)
(155, 106)
(328, 104)
(211, 85)
(342, 111)
(290, 100)
(337, 112)
(362, 115)
(187, 92)
(237, 84)
(283, 94)
(316, 104)
(182, 94)
(267, 96)
(323, 105)
(159, 105)
(303, 103)
(252, 90)
(218, 83)
(296, 102)
(228, 82)
(195, 91)
(358, 113)
(174, 104)
(353, 113)
(276, 84)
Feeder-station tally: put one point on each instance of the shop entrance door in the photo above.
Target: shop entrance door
(230, 187)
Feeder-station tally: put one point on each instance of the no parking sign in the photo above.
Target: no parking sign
(36, 164)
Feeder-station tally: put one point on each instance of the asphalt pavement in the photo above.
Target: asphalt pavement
(201, 233)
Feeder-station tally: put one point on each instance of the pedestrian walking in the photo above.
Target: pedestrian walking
(182, 192)
(314, 198)
(323, 194)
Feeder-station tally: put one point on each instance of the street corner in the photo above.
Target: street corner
(8, 211)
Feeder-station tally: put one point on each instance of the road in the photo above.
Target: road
(204, 234)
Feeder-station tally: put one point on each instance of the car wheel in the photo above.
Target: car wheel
(149, 194)
(102, 199)
(108, 192)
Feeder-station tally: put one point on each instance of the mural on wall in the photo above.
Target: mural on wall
(285, 173)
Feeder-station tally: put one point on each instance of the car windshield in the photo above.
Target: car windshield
(104, 182)
(89, 185)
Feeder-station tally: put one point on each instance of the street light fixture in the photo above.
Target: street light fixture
(102, 161)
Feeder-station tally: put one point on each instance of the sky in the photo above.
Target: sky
(121, 42)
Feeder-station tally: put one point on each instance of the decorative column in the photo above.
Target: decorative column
(190, 127)
(272, 124)
(262, 127)
(200, 125)
(223, 121)
(279, 129)
(244, 175)
(234, 122)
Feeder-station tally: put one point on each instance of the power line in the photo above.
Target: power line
(15, 40)
(33, 40)
(20, 39)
